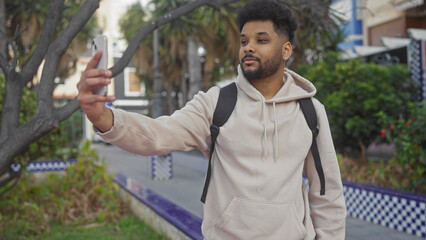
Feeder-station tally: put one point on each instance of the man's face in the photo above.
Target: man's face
(260, 50)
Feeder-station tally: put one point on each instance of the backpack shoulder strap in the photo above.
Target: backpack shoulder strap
(224, 108)
(308, 110)
(225, 104)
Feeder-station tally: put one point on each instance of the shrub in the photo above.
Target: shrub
(380, 173)
(408, 134)
(85, 194)
(354, 93)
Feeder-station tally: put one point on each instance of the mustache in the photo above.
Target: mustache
(249, 56)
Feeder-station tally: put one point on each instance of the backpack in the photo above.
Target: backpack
(224, 108)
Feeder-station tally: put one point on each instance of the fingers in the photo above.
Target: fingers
(86, 84)
(91, 77)
(93, 98)
(90, 73)
(93, 63)
(97, 81)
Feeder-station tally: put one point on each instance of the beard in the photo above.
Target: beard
(270, 67)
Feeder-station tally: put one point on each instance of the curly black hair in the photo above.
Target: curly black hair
(273, 10)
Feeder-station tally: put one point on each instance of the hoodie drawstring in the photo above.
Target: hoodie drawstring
(265, 142)
(275, 134)
(265, 139)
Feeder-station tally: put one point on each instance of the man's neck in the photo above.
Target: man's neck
(269, 86)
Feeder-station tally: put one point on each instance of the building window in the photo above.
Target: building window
(359, 10)
(132, 85)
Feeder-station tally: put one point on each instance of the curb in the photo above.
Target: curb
(161, 214)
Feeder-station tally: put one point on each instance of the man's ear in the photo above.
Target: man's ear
(287, 50)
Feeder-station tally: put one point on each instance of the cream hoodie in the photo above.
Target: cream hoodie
(256, 189)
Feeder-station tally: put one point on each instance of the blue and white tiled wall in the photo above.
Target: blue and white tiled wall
(42, 166)
(396, 210)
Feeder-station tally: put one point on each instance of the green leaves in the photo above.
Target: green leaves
(354, 92)
(408, 134)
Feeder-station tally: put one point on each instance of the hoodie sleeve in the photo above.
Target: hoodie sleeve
(185, 129)
(328, 212)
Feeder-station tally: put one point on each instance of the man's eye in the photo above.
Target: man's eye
(243, 42)
(262, 40)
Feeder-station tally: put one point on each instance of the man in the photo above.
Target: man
(256, 189)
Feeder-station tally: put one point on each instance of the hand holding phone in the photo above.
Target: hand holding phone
(101, 43)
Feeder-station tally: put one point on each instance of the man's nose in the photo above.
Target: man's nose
(249, 48)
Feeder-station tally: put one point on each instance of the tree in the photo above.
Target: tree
(215, 30)
(318, 30)
(3, 41)
(27, 18)
(354, 93)
(220, 36)
(14, 137)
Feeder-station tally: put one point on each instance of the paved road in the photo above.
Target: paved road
(186, 186)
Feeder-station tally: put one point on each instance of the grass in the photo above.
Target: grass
(128, 227)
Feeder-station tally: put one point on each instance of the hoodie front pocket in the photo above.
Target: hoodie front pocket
(247, 219)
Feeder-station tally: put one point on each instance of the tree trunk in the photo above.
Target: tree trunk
(298, 58)
(183, 97)
(3, 36)
(11, 106)
(171, 99)
(157, 103)
(194, 69)
(363, 152)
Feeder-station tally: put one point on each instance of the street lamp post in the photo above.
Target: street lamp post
(161, 165)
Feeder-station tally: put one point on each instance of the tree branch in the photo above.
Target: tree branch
(27, 133)
(13, 95)
(143, 32)
(54, 54)
(4, 64)
(49, 29)
(66, 111)
(15, 55)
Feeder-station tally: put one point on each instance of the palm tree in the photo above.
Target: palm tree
(175, 39)
(215, 31)
(219, 35)
(316, 32)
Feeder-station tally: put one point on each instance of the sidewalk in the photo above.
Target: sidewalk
(186, 186)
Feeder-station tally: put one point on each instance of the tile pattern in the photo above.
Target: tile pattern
(418, 74)
(162, 167)
(43, 166)
(396, 210)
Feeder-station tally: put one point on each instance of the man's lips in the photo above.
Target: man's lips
(249, 60)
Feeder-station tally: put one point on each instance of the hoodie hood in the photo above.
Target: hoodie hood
(295, 87)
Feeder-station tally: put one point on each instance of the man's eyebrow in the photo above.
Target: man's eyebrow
(262, 33)
(259, 33)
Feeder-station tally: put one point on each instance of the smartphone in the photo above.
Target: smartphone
(101, 43)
